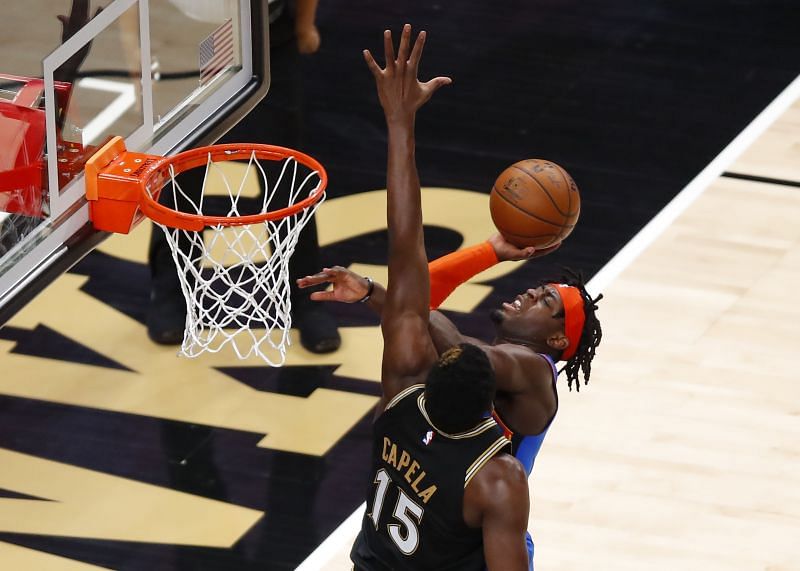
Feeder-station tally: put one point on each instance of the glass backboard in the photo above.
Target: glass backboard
(166, 75)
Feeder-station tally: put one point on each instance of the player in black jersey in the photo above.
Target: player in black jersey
(444, 495)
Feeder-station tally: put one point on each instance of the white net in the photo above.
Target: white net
(235, 278)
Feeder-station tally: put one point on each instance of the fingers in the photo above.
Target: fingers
(388, 49)
(403, 57)
(405, 41)
(544, 251)
(326, 275)
(398, 83)
(64, 22)
(437, 82)
(416, 53)
(323, 296)
(372, 64)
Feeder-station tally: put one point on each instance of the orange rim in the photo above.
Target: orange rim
(158, 174)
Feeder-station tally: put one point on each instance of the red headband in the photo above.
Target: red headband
(574, 317)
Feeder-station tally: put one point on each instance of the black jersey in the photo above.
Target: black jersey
(414, 518)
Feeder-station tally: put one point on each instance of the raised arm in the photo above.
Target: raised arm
(408, 350)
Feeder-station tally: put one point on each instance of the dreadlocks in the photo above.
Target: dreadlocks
(590, 335)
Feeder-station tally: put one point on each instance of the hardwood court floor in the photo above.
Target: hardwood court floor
(681, 453)
(688, 459)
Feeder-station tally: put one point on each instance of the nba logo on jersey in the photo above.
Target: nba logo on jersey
(428, 437)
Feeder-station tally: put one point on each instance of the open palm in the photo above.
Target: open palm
(399, 90)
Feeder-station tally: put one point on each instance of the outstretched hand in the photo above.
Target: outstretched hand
(348, 286)
(506, 251)
(399, 90)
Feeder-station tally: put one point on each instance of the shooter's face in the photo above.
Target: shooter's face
(532, 316)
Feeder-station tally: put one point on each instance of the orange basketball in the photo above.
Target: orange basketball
(534, 203)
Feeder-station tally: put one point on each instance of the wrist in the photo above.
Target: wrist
(370, 289)
(400, 122)
(488, 253)
(493, 243)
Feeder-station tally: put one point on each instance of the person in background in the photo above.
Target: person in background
(276, 120)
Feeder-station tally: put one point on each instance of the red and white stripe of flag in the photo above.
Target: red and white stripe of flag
(216, 52)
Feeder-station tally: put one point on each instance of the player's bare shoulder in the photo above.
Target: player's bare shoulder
(501, 484)
(519, 368)
(506, 475)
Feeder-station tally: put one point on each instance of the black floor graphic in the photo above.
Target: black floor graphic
(768, 180)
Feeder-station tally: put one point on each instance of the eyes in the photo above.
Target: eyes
(549, 297)
(546, 295)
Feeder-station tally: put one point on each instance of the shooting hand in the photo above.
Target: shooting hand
(506, 251)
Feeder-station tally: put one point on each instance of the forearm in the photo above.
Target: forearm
(454, 269)
(408, 271)
(404, 202)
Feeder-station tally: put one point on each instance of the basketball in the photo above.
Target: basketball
(534, 203)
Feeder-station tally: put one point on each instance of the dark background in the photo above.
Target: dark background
(633, 98)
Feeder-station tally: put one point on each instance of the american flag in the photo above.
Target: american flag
(216, 52)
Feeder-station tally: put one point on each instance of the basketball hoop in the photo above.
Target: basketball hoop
(235, 275)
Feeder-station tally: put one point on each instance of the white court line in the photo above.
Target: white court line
(325, 551)
(113, 111)
(646, 236)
